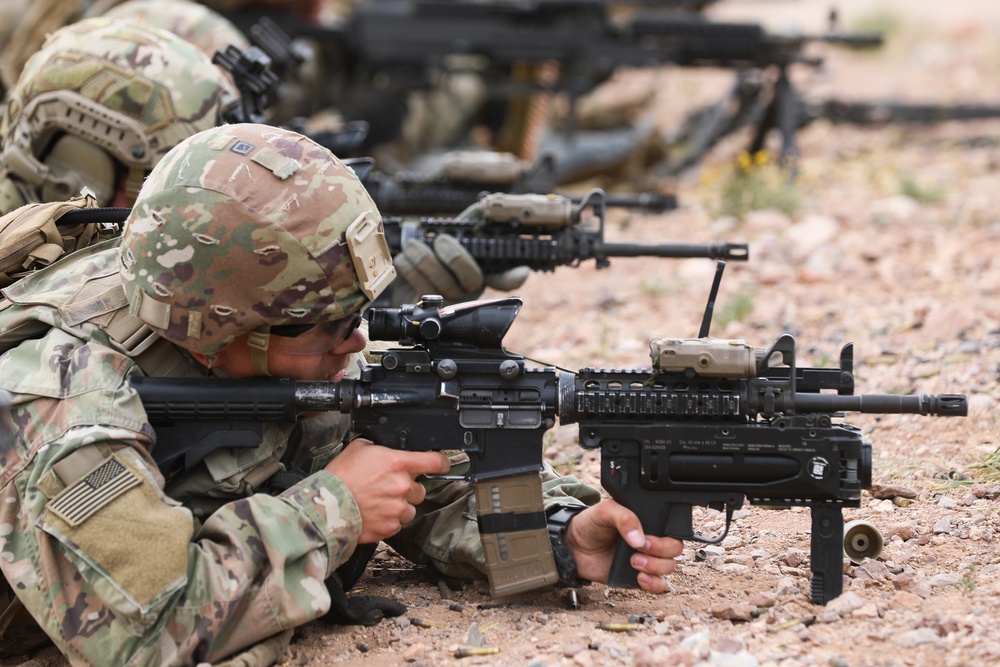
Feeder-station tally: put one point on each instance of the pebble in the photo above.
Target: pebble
(732, 611)
(845, 603)
(917, 637)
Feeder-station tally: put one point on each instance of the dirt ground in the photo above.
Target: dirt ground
(893, 247)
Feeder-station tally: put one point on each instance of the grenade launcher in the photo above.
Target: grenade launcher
(713, 423)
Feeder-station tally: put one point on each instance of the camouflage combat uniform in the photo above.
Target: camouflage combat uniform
(117, 564)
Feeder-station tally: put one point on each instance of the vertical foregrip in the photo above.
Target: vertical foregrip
(513, 530)
(827, 553)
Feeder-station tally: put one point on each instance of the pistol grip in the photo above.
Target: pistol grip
(622, 574)
(671, 519)
(514, 534)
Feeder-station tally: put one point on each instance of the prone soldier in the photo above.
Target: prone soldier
(250, 251)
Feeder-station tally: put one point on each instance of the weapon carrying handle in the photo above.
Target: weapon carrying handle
(514, 534)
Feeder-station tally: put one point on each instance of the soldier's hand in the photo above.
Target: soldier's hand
(447, 269)
(383, 482)
(593, 533)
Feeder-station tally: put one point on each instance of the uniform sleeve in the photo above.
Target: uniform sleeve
(115, 571)
(445, 532)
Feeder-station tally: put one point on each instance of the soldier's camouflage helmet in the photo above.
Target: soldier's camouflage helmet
(244, 227)
(208, 30)
(102, 102)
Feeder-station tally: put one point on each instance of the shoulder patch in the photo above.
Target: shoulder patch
(79, 501)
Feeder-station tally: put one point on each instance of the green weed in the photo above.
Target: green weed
(755, 183)
(736, 309)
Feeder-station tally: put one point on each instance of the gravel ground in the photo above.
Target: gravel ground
(892, 247)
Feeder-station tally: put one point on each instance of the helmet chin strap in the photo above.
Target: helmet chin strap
(258, 341)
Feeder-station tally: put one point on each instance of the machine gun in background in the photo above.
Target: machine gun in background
(259, 82)
(752, 98)
(713, 423)
(259, 71)
(405, 45)
(467, 176)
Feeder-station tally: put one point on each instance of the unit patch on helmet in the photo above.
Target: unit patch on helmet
(242, 148)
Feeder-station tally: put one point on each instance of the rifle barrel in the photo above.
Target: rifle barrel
(733, 251)
(942, 405)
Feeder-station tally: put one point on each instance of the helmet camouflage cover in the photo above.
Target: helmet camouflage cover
(101, 89)
(207, 29)
(243, 227)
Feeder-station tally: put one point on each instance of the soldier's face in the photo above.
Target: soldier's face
(235, 359)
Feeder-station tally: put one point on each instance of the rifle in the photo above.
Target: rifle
(462, 184)
(259, 81)
(406, 45)
(752, 99)
(502, 231)
(713, 423)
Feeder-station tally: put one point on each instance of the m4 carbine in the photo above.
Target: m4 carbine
(502, 231)
(713, 423)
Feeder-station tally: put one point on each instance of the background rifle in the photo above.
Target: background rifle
(542, 232)
(407, 193)
(752, 99)
(259, 83)
(713, 423)
(406, 45)
(504, 231)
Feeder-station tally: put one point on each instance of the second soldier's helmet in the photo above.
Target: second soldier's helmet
(101, 103)
(246, 227)
(207, 29)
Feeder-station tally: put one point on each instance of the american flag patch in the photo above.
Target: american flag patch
(79, 501)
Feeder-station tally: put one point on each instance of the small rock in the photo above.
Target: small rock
(845, 603)
(764, 600)
(699, 644)
(572, 648)
(889, 491)
(917, 637)
(913, 583)
(730, 644)
(906, 600)
(872, 569)
(904, 531)
(943, 526)
(415, 652)
(793, 557)
(867, 610)
(741, 659)
(731, 611)
(945, 579)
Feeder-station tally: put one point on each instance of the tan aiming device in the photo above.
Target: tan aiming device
(706, 357)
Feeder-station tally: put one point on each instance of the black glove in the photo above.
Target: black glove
(358, 609)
